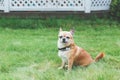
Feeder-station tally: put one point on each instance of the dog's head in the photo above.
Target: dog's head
(65, 37)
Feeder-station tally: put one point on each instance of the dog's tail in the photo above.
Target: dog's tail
(99, 56)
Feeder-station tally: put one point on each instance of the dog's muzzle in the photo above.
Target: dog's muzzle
(64, 40)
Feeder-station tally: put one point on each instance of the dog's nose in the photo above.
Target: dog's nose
(64, 40)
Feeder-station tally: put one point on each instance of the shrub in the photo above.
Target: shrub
(115, 8)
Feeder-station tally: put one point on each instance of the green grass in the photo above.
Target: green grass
(31, 54)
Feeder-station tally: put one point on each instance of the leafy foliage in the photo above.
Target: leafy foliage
(115, 8)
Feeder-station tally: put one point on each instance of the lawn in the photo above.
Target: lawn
(28, 48)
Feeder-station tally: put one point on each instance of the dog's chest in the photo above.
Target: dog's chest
(63, 55)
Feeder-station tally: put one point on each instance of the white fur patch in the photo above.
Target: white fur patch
(63, 55)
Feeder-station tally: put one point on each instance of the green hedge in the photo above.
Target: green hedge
(115, 9)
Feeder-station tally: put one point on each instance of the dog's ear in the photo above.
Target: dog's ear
(60, 29)
(72, 31)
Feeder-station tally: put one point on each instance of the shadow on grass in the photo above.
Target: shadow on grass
(53, 22)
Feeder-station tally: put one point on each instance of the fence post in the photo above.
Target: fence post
(6, 5)
(87, 6)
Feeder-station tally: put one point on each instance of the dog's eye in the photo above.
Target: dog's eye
(60, 36)
(68, 37)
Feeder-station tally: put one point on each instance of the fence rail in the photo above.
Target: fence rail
(54, 5)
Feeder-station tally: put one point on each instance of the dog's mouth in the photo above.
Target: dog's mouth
(64, 42)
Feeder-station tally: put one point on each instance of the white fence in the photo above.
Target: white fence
(54, 5)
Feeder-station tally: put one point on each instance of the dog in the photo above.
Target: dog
(71, 54)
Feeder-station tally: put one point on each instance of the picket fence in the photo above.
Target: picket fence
(54, 5)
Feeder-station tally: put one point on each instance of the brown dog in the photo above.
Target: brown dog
(70, 53)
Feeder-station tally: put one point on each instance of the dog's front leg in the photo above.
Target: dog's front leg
(70, 63)
(63, 64)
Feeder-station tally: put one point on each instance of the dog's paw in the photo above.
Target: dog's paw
(60, 68)
(66, 66)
